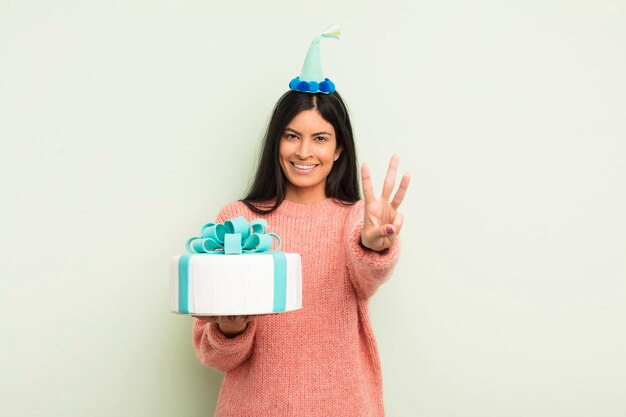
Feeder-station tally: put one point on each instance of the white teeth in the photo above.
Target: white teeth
(303, 166)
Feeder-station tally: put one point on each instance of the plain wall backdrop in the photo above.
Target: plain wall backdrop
(126, 125)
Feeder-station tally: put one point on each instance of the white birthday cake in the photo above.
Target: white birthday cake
(231, 270)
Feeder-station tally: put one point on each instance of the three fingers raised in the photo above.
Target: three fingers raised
(388, 186)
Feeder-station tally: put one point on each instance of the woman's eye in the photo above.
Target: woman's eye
(290, 136)
(321, 139)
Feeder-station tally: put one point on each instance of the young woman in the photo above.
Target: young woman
(321, 360)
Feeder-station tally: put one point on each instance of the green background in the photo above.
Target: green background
(124, 126)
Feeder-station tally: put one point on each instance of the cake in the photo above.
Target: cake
(231, 270)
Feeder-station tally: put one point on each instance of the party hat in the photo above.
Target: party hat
(311, 79)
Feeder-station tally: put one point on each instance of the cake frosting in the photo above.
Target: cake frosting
(230, 269)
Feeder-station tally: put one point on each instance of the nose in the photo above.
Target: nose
(304, 149)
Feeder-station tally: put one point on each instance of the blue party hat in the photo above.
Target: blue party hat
(311, 79)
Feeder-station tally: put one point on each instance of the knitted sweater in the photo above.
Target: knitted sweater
(321, 360)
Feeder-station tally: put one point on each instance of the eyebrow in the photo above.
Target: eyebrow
(323, 132)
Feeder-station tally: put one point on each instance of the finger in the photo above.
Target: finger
(380, 232)
(366, 179)
(238, 319)
(397, 223)
(391, 230)
(380, 238)
(228, 319)
(399, 197)
(371, 238)
(255, 316)
(390, 179)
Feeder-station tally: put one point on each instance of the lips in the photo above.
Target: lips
(303, 168)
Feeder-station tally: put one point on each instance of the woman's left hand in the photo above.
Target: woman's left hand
(382, 222)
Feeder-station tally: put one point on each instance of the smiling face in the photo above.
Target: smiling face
(307, 150)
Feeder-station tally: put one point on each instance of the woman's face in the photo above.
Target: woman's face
(307, 150)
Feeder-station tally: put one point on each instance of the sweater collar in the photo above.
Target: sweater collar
(294, 209)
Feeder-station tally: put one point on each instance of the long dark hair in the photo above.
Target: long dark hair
(269, 183)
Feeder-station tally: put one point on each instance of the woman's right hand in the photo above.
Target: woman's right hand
(230, 326)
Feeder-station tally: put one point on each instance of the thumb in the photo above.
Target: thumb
(387, 230)
(372, 235)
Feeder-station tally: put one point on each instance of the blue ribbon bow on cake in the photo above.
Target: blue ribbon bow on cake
(233, 237)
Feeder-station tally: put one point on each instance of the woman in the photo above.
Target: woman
(321, 360)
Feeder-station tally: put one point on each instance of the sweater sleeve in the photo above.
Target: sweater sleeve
(212, 347)
(368, 269)
(217, 351)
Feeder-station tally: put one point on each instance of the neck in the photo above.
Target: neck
(305, 195)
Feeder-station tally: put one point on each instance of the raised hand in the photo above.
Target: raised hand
(382, 221)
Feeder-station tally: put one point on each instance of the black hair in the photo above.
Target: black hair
(267, 190)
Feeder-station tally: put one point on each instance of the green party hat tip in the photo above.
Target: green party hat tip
(311, 78)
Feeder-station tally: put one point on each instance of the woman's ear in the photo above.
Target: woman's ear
(337, 154)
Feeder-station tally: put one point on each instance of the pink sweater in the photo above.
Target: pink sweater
(318, 361)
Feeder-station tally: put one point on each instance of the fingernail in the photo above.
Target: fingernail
(390, 230)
